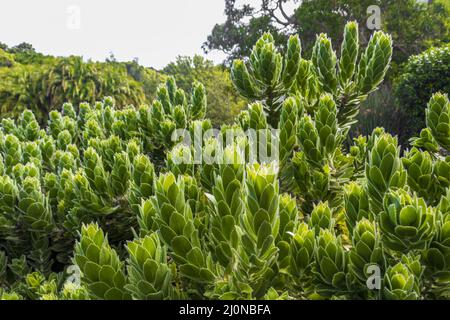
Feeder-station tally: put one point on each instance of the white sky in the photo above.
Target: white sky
(155, 31)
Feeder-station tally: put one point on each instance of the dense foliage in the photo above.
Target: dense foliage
(423, 75)
(86, 214)
(30, 80)
(45, 85)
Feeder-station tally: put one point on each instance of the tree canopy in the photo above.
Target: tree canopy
(414, 26)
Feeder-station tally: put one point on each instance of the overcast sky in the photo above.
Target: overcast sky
(155, 31)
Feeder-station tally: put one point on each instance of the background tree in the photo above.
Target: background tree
(44, 85)
(414, 26)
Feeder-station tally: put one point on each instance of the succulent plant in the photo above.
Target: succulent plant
(302, 251)
(438, 119)
(384, 170)
(149, 275)
(324, 59)
(331, 264)
(101, 268)
(321, 218)
(407, 223)
(374, 62)
(366, 251)
(227, 205)
(143, 176)
(288, 128)
(176, 225)
(260, 224)
(356, 205)
(401, 281)
(437, 256)
(421, 179)
(289, 219)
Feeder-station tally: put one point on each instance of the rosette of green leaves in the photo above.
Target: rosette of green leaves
(324, 59)
(302, 252)
(92, 129)
(149, 275)
(101, 269)
(309, 140)
(289, 217)
(86, 200)
(327, 126)
(307, 84)
(209, 168)
(438, 119)
(349, 53)
(331, 267)
(63, 140)
(72, 291)
(356, 205)
(68, 110)
(441, 170)
(120, 174)
(384, 170)
(193, 194)
(288, 127)
(47, 145)
(177, 228)
(437, 256)
(4, 295)
(180, 117)
(257, 116)
(96, 174)
(227, 205)
(34, 206)
(64, 160)
(402, 281)
(8, 200)
(406, 222)
(198, 105)
(143, 176)
(261, 219)
(12, 151)
(421, 179)
(374, 62)
(260, 224)
(366, 251)
(28, 126)
(321, 218)
(31, 153)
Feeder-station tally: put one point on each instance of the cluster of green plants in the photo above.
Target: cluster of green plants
(88, 211)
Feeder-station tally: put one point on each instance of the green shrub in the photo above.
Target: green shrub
(86, 214)
(423, 75)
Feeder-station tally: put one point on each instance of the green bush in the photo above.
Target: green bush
(6, 59)
(423, 75)
(86, 213)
